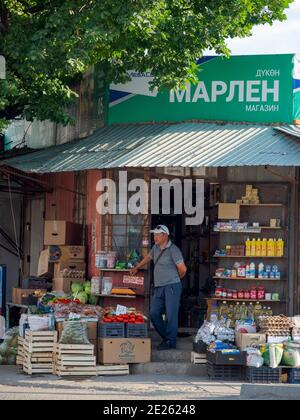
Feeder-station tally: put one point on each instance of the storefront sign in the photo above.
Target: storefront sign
(262, 89)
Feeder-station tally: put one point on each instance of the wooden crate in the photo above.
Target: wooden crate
(112, 370)
(38, 347)
(74, 360)
(19, 359)
(198, 359)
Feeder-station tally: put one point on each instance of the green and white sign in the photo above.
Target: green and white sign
(261, 89)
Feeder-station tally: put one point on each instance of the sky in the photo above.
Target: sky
(282, 37)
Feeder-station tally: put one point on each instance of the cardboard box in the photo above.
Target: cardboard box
(92, 330)
(250, 340)
(44, 267)
(68, 265)
(124, 350)
(18, 294)
(60, 232)
(66, 253)
(61, 284)
(229, 211)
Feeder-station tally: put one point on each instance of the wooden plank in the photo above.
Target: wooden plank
(198, 359)
(64, 359)
(38, 359)
(37, 355)
(60, 373)
(76, 368)
(88, 363)
(39, 344)
(40, 340)
(38, 366)
(40, 333)
(63, 347)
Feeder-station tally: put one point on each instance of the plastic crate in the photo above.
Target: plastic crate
(294, 376)
(137, 331)
(199, 347)
(264, 375)
(111, 330)
(225, 372)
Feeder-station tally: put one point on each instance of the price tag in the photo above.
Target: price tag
(121, 310)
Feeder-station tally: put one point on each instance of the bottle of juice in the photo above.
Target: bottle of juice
(271, 248)
(248, 248)
(253, 248)
(258, 248)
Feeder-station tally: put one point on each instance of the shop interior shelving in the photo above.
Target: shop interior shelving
(268, 209)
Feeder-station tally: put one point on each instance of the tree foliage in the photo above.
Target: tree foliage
(48, 44)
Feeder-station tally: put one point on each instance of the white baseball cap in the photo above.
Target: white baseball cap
(160, 229)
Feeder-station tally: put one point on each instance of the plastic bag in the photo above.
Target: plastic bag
(255, 360)
(75, 332)
(272, 355)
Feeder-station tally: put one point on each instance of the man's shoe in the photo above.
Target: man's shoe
(166, 345)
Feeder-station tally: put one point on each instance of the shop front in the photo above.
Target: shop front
(244, 248)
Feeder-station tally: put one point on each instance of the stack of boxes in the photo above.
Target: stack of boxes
(251, 196)
(64, 257)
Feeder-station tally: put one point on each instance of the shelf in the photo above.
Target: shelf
(248, 258)
(258, 205)
(245, 300)
(252, 232)
(118, 296)
(246, 279)
(121, 270)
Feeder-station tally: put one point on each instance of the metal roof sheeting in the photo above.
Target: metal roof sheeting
(292, 130)
(167, 145)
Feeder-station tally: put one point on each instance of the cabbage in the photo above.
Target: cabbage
(93, 300)
(83, 297)
(77, 288)
(88, 287)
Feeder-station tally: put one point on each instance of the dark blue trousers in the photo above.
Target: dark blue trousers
(166, 300)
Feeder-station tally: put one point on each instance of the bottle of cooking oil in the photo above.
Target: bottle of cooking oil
(271, 248)
(248, 248)
(237, 312)
(257, 311)
(279, 250)
(231, 316)
(244, 312)
(253, 248)
(258, 248)
(264, 247)
(250, 313)
(223, 311)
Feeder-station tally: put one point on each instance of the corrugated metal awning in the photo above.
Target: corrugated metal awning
(292, 130)
(167, 145)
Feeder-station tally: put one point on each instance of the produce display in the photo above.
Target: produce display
(62, 310)
(132, 317)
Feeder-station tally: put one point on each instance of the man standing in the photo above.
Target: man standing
(169, 269)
